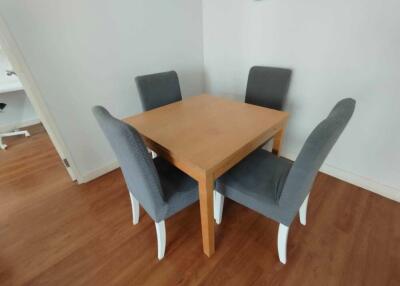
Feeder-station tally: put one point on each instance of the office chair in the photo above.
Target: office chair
(14, 133)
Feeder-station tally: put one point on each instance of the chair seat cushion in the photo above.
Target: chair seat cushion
(257, 182)
(179, 189)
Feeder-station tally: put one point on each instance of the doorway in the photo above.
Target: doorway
(18, 85)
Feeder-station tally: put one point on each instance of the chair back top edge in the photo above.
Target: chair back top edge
(268, 86)
(156, 90)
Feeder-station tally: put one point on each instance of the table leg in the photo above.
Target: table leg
(278, 138)
(206, 189)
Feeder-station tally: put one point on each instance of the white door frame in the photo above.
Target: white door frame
(14, 55)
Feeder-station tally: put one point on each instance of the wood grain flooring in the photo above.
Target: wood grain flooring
(55, 232)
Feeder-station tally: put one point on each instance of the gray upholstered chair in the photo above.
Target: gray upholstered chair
(156, 90)
(268, 86)
(159, 187)
(276, 188)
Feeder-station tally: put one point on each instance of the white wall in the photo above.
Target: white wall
(87, 52)
(18, 113)
(337, 49)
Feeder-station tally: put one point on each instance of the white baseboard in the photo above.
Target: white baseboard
(11, 126)
(98, 172)
(365, 183)
(359, 181)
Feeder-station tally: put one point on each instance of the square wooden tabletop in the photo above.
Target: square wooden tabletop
(205, 136)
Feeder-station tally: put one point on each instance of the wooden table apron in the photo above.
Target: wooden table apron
(204, 136)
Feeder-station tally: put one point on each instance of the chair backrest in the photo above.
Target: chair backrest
(156, 90)
(268, 86)
(316, 148)
(138, 168)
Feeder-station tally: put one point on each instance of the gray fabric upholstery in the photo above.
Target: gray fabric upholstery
(257, 182)
(179, 189)
(156, 90)
(249, 183)
(268, 86)
(159, 187)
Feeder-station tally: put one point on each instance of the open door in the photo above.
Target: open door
(11, 50)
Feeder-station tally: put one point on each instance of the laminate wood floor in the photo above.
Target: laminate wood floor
(55, 232)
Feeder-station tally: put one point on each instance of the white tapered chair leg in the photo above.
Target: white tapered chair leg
(218, 206)
(303, 211)
(161, 239)
(135, 209)
(283, 232)
(152, 153)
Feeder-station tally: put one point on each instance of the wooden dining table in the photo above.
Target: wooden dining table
(205, 136)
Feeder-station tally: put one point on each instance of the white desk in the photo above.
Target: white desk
(9, 86)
